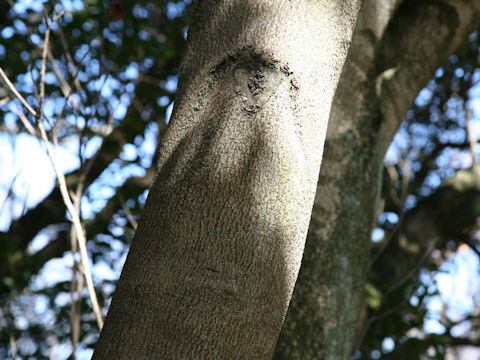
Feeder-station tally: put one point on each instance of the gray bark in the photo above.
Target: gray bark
(213, 264)
(395, 50)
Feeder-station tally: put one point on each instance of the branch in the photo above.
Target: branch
(418, 40)
(467, 240)
(449, 340)
(16, 93)
(82, 241)
(61, 179)
(442, 216)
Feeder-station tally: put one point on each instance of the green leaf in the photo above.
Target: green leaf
(374, 296)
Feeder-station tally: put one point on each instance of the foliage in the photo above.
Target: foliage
(110, 82)
(109, 85)
(431, 147)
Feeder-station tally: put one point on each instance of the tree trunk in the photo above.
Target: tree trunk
(396, 48)
(216, 254)
(328, 299)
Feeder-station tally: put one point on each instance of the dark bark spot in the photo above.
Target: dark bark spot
(255, 76)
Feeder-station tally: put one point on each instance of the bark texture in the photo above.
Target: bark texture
(396, 48)
(217, 251)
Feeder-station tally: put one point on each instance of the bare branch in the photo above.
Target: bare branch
(16, 93)
(77, 224)
(54, 350)
(56, 18)
(471, 138)
(5, 100)
(25, 121)
(13, 345)
(43, 69)
(80, 234)
(76, 296)
(71, 63)
(130, 217)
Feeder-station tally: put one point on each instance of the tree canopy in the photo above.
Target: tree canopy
(109, 83)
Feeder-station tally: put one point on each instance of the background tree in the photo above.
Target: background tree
(95, 82)
(37, 314)
(396, 48)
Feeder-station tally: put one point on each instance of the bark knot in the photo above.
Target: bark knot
(255, 75)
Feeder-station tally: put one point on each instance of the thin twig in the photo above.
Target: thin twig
(5, 100)
(376, 315)
(73, 302)
(64, 86)
(471, 138)
(65, 195)
(76, 297)
(77, 286)
(56, 18)
(387, 241)
(412, 271)
(9, 193)
(394, 176)
(63, 190)
(13, 345)
(69, 58)
(54, 350)
(406, 177)
(83, 176)
(43, 69)
(34, 86)
(129, 214)
(25, 121)
(78, 227)
(16, 93)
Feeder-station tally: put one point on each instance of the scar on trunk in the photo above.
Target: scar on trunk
(255, 76)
